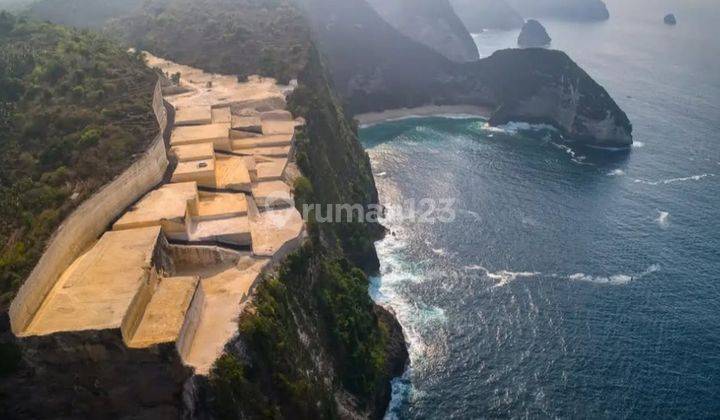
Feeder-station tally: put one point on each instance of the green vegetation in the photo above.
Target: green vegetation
(75, 109)
(311, 300)
(331, 157)
(243, 37)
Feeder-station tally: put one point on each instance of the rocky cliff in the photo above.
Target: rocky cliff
(377, 69)
(487, 14)
(430, 22)
(326, 342)
(533, 34)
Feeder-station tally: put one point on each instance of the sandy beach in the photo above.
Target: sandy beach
(371, 118)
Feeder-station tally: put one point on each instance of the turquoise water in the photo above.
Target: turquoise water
(572, 282)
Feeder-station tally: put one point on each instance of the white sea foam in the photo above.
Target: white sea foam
(674, 180)
(381, 174)
(617, 279)
(417, 319)
(502, 277)
(638, 144)
(613, 280)
(439, 251)
(616, 172)
(662, 219)
(514, 127)
(576, 158)
(505, 277)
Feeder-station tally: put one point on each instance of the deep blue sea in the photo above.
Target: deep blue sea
(572, 282)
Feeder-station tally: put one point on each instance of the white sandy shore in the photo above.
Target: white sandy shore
(371, 118)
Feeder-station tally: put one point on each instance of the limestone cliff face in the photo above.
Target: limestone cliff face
(376, 69)
(487, 14)
(430, 22)
(533, 34)
(543, 86)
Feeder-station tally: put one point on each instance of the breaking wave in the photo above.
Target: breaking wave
(504, 277)
(662, 219)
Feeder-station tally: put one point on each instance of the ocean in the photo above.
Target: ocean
(571, 282)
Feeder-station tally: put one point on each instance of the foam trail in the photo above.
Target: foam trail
(616, 172)
(505, 277)
(674, 180)
(579, 159)
(614, 280)
(638, 144)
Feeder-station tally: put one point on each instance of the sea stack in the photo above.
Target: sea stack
(533, 34)
(670, 19)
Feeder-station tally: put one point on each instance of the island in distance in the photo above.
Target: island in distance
(533, 35)
(670, 19)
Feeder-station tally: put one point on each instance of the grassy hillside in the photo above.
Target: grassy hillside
(75, 109)
(242, 37)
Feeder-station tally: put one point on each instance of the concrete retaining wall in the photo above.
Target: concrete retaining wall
(89, 221)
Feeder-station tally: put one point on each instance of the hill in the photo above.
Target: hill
(375, 69)
(430, 22)
(75, 109)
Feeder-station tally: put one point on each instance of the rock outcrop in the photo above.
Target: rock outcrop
(478, 15)
(378, 69)
(670, 19)
(533, 34)
(582, 10)
(430, 22)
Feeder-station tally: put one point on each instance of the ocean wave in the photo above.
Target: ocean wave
(417, 319)
(505, 277)
(515, 127)
(638, 144)
(674, 180)
(616, 172)
(574, 157)
(401, 393)
(662, 219)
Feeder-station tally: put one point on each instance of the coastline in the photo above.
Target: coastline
(371, 118)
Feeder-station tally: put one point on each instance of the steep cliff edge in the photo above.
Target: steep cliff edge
(361, 346)
(430, 22)
(376, 69)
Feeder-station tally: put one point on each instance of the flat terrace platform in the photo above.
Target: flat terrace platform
(217, 134)
(166, 206)
(95, 292)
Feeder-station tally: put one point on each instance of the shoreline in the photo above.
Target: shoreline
(371, 118)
